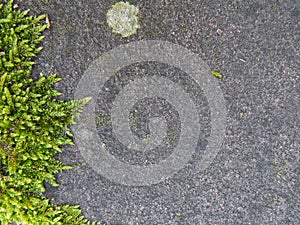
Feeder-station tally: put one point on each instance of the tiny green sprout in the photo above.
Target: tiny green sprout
(216, 74)
(217, 57)
(122, 18)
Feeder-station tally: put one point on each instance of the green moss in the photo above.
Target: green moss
(103, 119)
(33, 126)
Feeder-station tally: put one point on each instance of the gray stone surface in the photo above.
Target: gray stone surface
(255, 178)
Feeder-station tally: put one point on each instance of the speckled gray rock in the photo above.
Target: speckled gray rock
(255, 45)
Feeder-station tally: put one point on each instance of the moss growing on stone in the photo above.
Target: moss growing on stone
(122, 19)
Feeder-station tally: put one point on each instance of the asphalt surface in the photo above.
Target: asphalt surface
(255, 44)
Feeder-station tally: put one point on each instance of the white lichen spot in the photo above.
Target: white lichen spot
(122, 19)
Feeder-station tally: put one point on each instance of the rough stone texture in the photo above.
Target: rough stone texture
(255, 179)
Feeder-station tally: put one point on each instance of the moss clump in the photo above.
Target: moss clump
(33, 126)
(122, 18)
